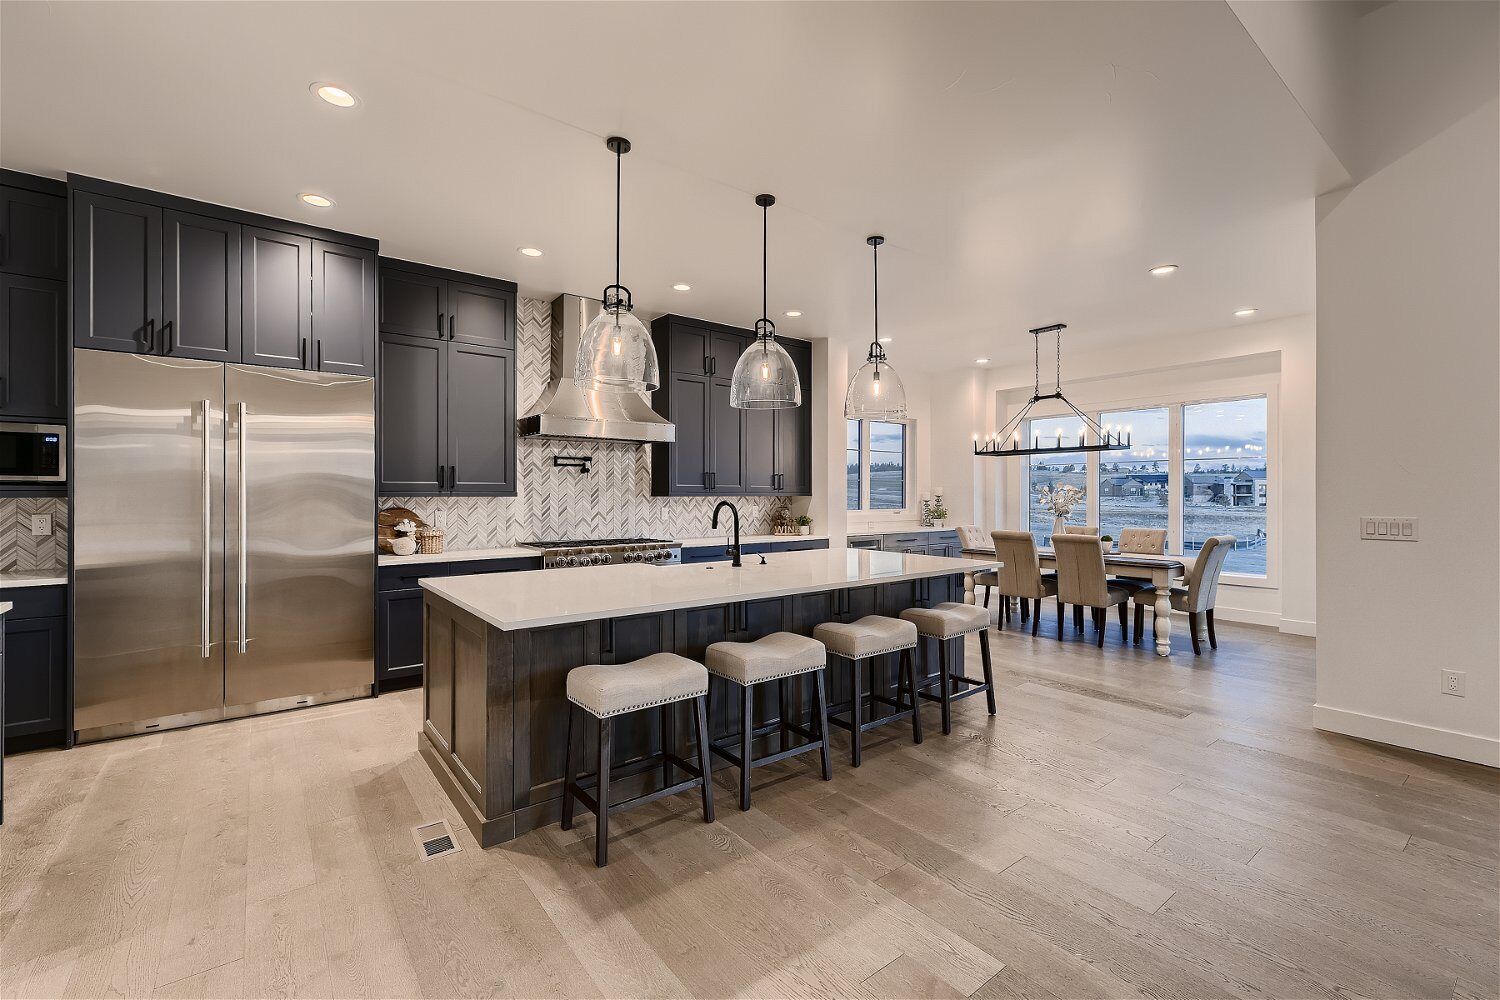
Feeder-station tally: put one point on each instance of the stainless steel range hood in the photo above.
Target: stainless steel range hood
(564, 410)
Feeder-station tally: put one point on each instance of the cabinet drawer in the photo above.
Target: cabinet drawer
(511, 564)
(704, 553)
(37, 602)
(407, 577)
(892, 542)
(800, 545)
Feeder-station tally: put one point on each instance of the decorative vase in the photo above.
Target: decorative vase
(1058, 524)
(804, 529)
(403, 545)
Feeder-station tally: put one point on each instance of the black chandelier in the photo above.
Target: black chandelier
(1007, 441)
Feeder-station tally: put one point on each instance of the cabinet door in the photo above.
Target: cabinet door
(689, 349)
(691, 457)
(36, 662)
(481, 417)
(760, 451)
(33, 234)
(794, 432)
(724, 350)
(33, 348)
(343, 309)
(116, 274)
(412, 425)
(200, 287)
(413, 305)
(276, 291)
(482, 316)
(398, 634)
(728, 431)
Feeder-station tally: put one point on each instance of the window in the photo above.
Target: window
(1224, 480)
(1053, 470)
(875, 465)
(852, 466)
(1134, 485)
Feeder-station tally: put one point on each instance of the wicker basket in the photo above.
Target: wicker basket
(429, 541)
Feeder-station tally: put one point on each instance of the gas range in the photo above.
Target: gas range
(607, 551)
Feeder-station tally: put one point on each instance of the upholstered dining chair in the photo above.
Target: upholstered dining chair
(1081, 582)
(971, 536)
(1141, 541)
(1020, 575)
(1080, 529)
(1198, 597)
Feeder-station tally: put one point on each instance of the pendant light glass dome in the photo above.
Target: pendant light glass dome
(875, 392)
(615, 352)
(765, 378)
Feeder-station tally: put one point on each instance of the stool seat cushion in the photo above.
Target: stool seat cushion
(949, 619)
(780, 654)
(870, 636)
(606, 689)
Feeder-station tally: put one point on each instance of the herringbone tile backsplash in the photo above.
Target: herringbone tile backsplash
(613, 500)
(19, 550)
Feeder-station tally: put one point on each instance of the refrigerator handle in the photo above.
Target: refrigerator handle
(242, 603)
(204, 636)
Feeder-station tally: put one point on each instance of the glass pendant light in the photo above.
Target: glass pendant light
(875, 391)
(765, 377)
(615, 353)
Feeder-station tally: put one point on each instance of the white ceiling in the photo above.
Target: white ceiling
(1027, 161)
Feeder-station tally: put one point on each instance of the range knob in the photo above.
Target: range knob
(661, 556)
(567, 560)
(602, 559)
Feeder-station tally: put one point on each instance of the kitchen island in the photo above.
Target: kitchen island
(498, 648)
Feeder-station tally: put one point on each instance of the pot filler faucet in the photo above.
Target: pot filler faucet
(734, 549)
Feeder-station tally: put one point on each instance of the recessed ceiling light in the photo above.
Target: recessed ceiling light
(981, 361)
(316, 200)
(1246, 312)
(792, 313)
(682, 286)
(528, 251)
(886, 340)
(1162, 270)
(335, 95)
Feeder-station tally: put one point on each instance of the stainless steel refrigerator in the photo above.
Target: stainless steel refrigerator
(224, 548)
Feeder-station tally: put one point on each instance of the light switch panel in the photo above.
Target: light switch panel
(41, 525)
(1388, 529)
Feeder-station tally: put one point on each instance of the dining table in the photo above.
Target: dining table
(1161, 571)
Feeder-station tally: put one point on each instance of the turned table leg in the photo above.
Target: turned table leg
(1163, 615)
(969, 589)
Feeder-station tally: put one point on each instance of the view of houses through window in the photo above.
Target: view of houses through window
(875, 465)
(1221, 488)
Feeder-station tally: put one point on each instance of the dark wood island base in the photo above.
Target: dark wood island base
(495, 709)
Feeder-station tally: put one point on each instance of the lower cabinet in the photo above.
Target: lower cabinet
(36, 668)
(720, 553)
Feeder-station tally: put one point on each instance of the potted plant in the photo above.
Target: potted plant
(1060, 500)
(804, 524)
(1108, 541)
(939, 515)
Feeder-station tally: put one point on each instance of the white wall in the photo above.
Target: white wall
(1409, 376)
(919, 414)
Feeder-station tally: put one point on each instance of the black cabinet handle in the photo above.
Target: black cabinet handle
(302, 353)
(440, 477)
(4, 391)
(452, 333)
(452, 477)
(441, 314)
(318, 348)
(166, 337)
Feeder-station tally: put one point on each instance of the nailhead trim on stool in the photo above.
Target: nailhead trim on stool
(946, 622)
(862, 640)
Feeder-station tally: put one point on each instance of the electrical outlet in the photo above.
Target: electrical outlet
(1388, 529)
(440, 518)
(41, 525)
(1453, 683)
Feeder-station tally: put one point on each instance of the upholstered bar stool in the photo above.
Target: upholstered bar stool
(778, 657)
(607, 691)
(946, 622)
(861, 641)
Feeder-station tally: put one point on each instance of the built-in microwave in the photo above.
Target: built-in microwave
(33, 453)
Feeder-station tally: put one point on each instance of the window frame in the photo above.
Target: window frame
(908, 458)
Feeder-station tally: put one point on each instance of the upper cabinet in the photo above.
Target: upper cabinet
(33, 298)
(721, 450)
(446, 410)
(155, 274)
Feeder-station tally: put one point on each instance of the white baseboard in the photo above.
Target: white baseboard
(1428, 739)
(1294, 626)
(1268, 619)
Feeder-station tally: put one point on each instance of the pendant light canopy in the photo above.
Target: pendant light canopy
(875, 391)
(615, 353)
(765, 378)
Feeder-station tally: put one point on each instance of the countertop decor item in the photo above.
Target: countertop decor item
(804, 524)
(875, 392)
(615, 353)
(385, 527)
(429, 541)
(765, 378)
(1007, 440)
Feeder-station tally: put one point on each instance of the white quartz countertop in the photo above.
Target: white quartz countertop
(461, 555)
(33, 578)
(5, 606)
(557, 596)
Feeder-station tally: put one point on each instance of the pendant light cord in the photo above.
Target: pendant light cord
(875, 259)
(765, 236)
(618, 154)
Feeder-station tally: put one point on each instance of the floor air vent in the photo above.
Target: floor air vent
(434, 840)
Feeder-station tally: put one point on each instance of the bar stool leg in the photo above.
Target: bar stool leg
(820, 696)
(909, 670)
(747, 735)
(783, 708)
(856, 714)
(989, 675)
(601, 791)
(946, 686)
(700, 713)
(568, 773)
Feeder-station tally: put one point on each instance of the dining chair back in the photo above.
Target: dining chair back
(970, 536)
(1020, 573)
(1144, 541)
(1081, 529)
(1080, 571)
(1203, 578)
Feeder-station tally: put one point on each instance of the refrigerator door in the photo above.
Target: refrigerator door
(148, 513)
(300, 534)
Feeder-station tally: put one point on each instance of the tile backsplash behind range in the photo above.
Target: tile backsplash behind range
(613, 500)
(19, 548)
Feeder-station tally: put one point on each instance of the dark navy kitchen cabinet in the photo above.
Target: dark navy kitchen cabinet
(36, 666)
(33, 226)
(200, 277)
(33, 348)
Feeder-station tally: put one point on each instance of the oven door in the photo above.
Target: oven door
(33, 453)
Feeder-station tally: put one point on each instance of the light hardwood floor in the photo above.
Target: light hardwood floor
(1126, 826)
